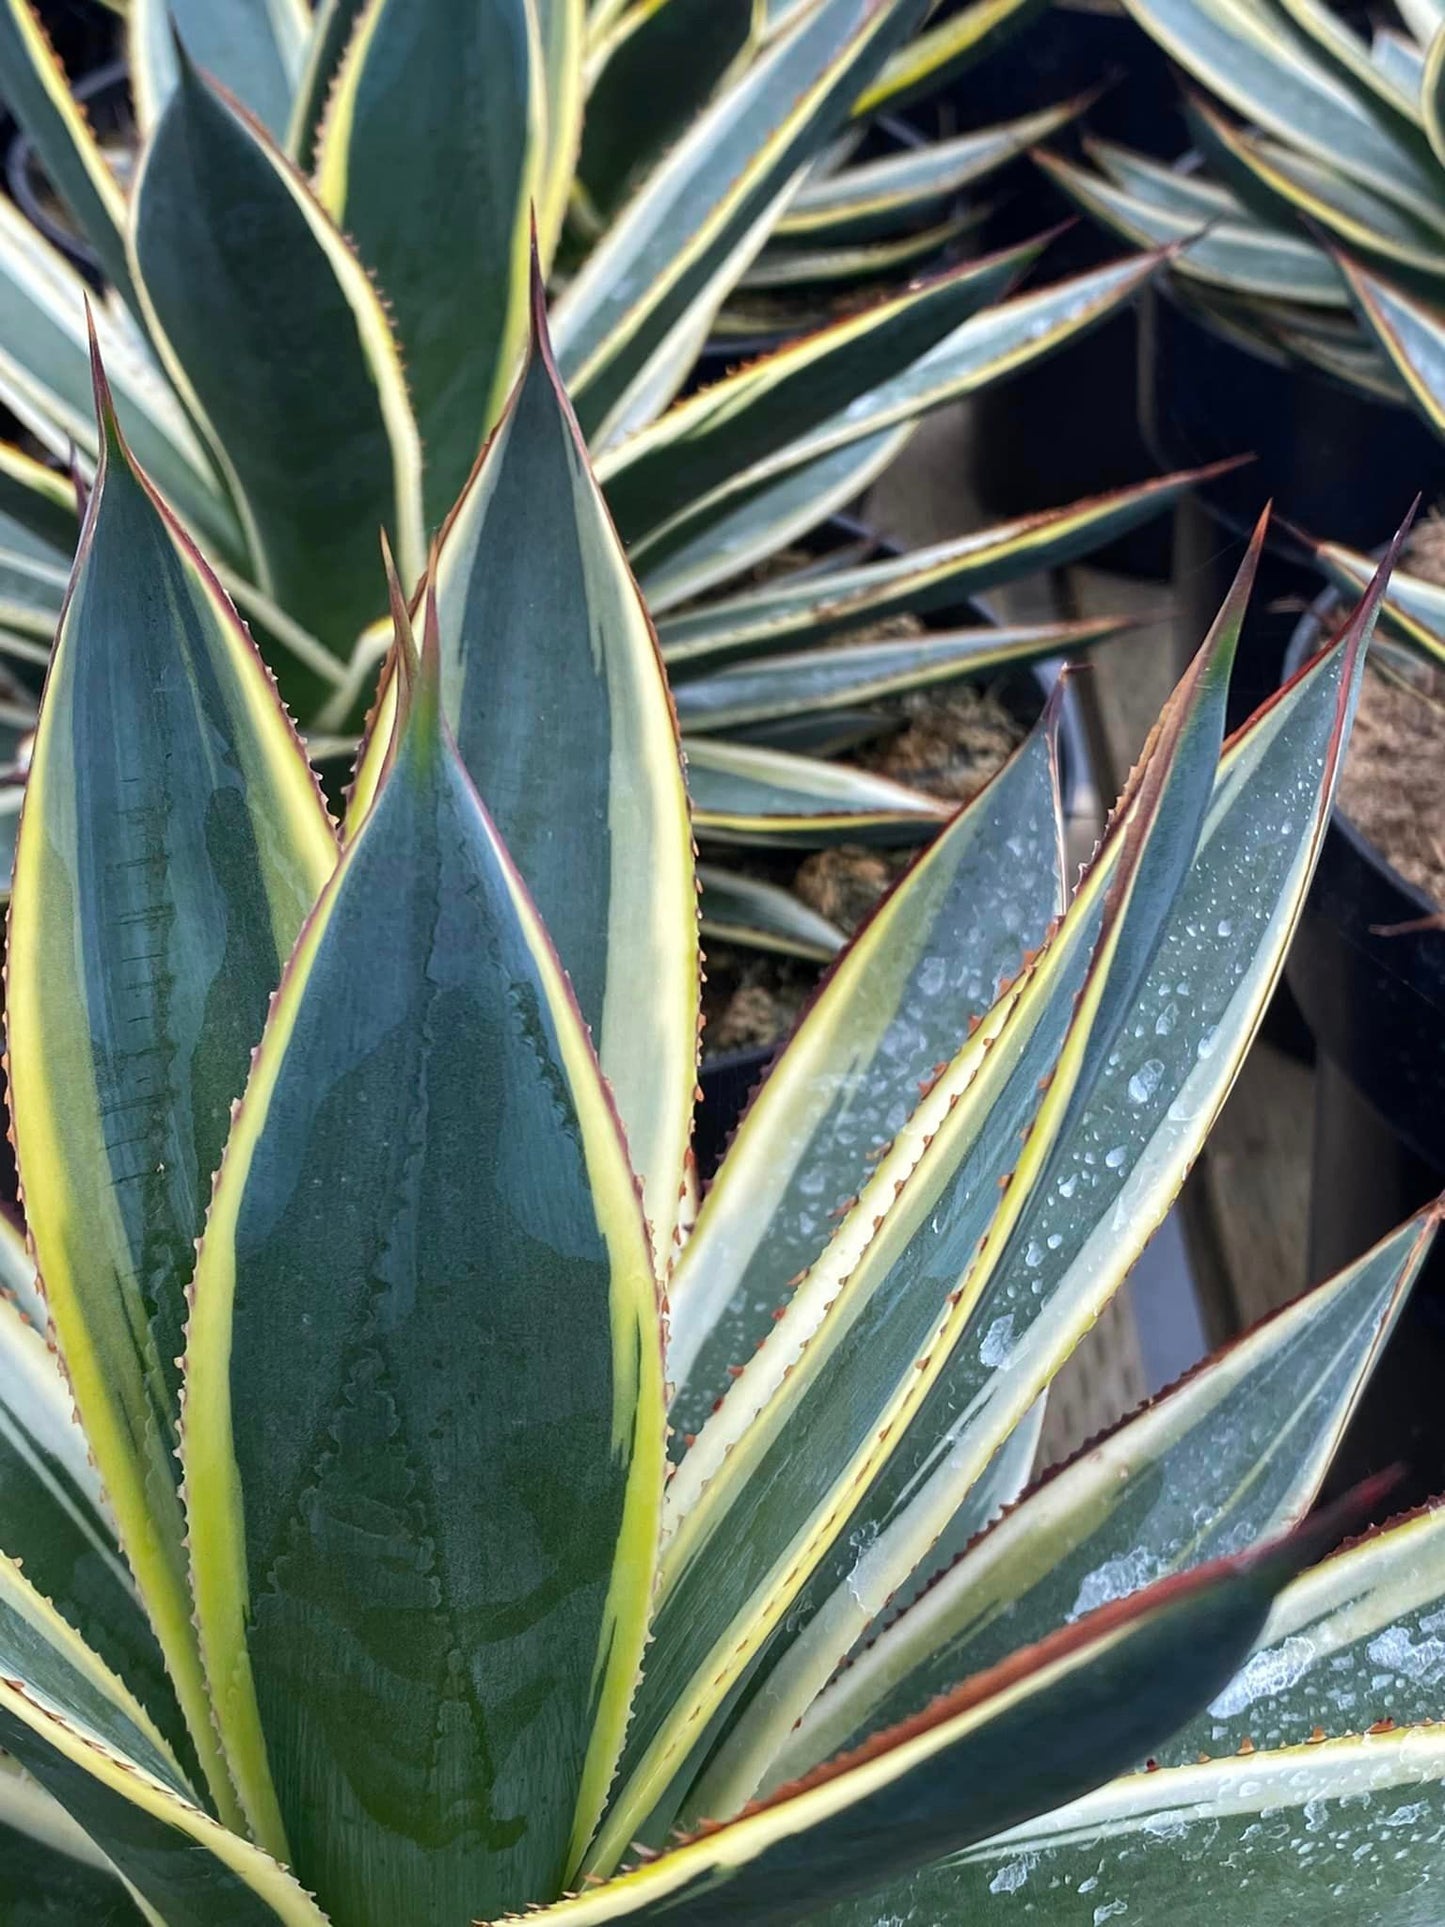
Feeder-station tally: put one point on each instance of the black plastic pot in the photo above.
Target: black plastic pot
(728, 1080)
(1334, 463)
(1376, 1006)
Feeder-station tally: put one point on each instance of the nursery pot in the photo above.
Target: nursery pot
(1334, 463)
(1376, 1006)
(728, 1080)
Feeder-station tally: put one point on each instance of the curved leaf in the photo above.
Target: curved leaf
(746, 417)
(301, 393)
(429, 161)
(820, 679)
(173, 841)
(664, 253)
(332, 26)
(932, 958)
(36, 90)
(742, 794)
(541, 619)
(1054, 1719)
(820, 603)
(742, 909)
(1229, 1458)
(421, 1566)
(945, 50)
(1412, 334)
(255, 48)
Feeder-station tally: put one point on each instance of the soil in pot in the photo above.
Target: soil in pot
(1393, 784)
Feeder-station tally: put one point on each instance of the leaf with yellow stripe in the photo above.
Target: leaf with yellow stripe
(37, 92)
(745, 794)
(301, 393)
(54, 1522)
(562, 40)
(39, 500)
(84, 1741)
(1115, 1171)
(673, 251)
(1051, 1722)
(747, 416)
(1004, 338)
(1230, 1457)
(942, 52)
(332, 25)
(52, 1870)
(1413, 609)
(743, 909)
(820, 602)
(173, 841)
(758, 1504)
(430, 160)
(931, 959)
(540, 618)
(1411, 331)
(422, 1566)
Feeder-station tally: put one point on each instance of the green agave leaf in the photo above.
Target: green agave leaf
(986, 348)
(1115, 1170)
(1411, 333)
(1172, 190)
(55, 1668)
(1348, 1831)
(769, 518)
(54, 1522)
(1413, 609)
(833, 678)
(255, 48)
(813, 605)
(37, 92)
(444, 108)
(788, 268)
(45, 380)
(301, 394)
(333, 24)
(1349, 53)
(31, 593)
(1353, 1644)
(943, 52)
(743, 794)
(37, 503)
(184, 1867)
(757, 1505)
(174, 839)
(742, 909)
(931, 960)
(662, 257)
(421, 1570)
(1288, 186)
(50, 1873)
(1053, 1719)
(874, 199)
(1241, 253)
(653, 75)
(562, 42)
(750, 415)
(541, 618)
(1231, 1457)
(1273, 76)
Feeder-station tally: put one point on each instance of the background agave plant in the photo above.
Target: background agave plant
(362, 1556)
(1316, 225)
(318, 297)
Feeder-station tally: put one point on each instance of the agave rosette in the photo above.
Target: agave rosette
(318, 299)
(344, 1577)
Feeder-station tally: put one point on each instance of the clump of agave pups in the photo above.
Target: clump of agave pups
(346, 1581)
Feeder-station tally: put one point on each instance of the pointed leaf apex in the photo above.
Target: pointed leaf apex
(404, 642)
(110, 435)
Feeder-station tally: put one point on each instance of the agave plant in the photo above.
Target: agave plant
(1316, 227)
(345, 1579)
(318, 297)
